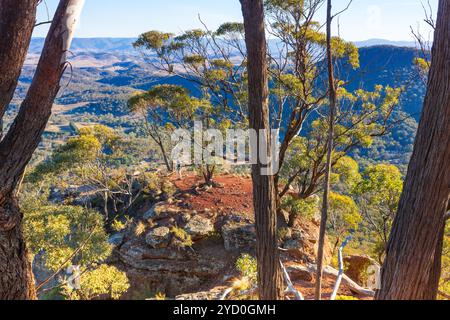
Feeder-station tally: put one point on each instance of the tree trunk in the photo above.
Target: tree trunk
(16, 277)
(326, 192)
(25, 133)
(168, 163)
(19, 145)
(264, 191)
(17, 20)
(412, 265)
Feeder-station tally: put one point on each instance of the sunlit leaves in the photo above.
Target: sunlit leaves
(194, 60)
(285, 5)
(102, 282)
(58, 230)
(423, 65)
(343, 216)
(378, 196)
(152, 40)
(172, 98)
(297, 207)
(230, 27)
(382, 185)
(195, 34)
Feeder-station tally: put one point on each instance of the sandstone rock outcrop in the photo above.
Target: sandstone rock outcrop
(303, 242)
(199, 227)
(238, 235)
(158, 238)
(214, 239)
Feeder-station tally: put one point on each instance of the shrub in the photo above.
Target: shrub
(181, 239)
(247, 266)
(104, 281)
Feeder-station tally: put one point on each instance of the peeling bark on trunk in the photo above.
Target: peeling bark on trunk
(19, 145)
(412, 266)
(17, 19)
(264, 191)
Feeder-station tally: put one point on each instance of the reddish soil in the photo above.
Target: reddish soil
(233, 196)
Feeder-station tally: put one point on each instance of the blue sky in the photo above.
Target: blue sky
(387, 19)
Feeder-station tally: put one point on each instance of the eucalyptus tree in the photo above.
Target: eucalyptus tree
(210, 65)
(17, 22)
(412, 266)
(264, 188)
(300, 97)
(213, 66)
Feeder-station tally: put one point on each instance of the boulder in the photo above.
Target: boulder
(167, 270)
(158, 237)
(116, 239)
(356, 268)
(304, 241)
(238, 235)
(199, 227)
(185, 217)
(155, 211)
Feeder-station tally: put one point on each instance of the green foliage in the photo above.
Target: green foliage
(343, 216)
(181, 239)
(247, 266)
(305, 208)
(346, 175)
(152, 40)
(297, 96)
(118, 225)
(195, 59)
(230, 27)
(444, 284)
(361, 116)
(378, 195)
(101, 166)
(381, 185)
(346, 298)
(423, 65)
(100, 283)
(86, 147)
(292, 20)
(206, 61)
(191, 35)
(59, 230)
(173, 99)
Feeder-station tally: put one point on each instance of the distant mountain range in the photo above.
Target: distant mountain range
(126, 44)
(107, 71)
(384, 42)
(90, 44)
(112, 64)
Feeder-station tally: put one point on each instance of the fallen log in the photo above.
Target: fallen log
(331, 272)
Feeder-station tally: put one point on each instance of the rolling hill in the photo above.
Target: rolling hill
(105, 72)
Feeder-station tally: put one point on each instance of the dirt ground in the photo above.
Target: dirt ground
(234, 196)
